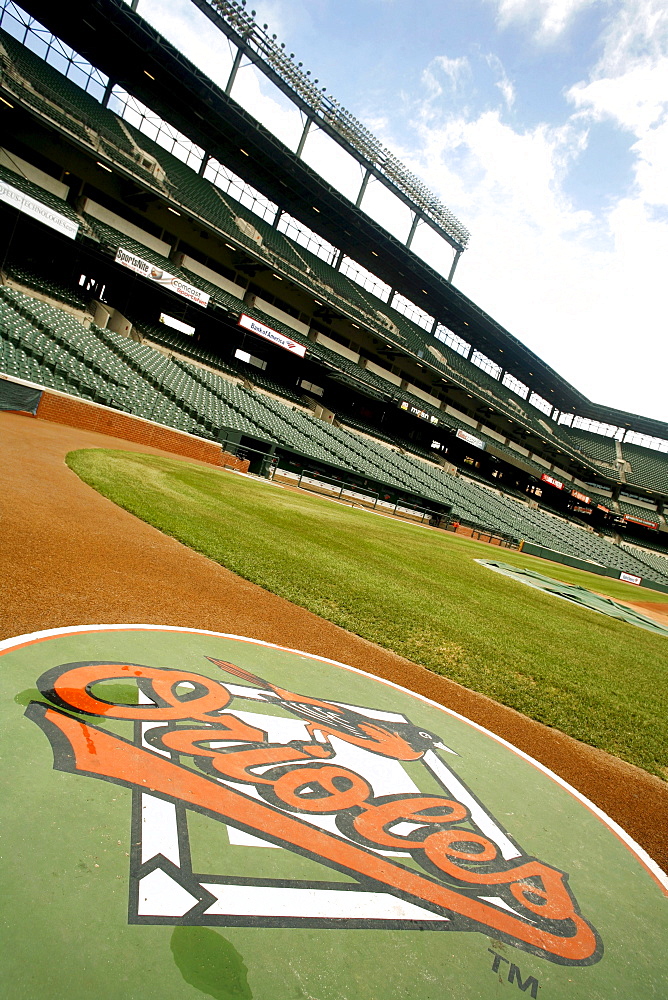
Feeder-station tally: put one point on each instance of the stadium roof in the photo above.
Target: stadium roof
(135, 55)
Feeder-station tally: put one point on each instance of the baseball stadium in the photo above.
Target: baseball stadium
(289, 525)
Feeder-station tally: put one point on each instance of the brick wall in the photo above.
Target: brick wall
(91, 417)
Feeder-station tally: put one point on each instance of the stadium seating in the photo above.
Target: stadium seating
(648, 468)
(55, 97)
(598, 447)
(70, 108)
(654, 561)
(47, 286)
(632, 510)
(39, 193)
(43, 344)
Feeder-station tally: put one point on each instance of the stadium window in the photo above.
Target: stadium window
(458, 344)
(156, 128)
(226, 180)
(482, 361)
(412, 312)
(645, 441)
(51, 49)
(305, 237)
(365, 279)
(540, 403)
(595, 426)
(514, 384)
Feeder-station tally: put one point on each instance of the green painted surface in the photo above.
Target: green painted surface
(67, 841)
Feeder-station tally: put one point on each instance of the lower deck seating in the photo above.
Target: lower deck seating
(41, 343)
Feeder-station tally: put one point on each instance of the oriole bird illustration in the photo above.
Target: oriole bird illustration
(399, 740)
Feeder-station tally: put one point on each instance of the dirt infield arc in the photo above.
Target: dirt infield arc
(70, 557)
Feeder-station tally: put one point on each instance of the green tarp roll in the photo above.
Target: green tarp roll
(14, 396)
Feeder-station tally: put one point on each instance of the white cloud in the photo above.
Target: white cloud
(628, 88)
(503, 84)
(583, 290)
(454, 70)
(547, 19)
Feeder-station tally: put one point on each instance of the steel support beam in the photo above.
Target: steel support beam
(414, 225)
(458, 254)
(107, 92)
(304, 135)
(233, 72)
(363, 187)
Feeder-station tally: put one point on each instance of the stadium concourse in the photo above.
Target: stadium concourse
(174, 280)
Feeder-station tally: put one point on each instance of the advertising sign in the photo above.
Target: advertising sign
(248, 323)
(631, 578)
(639, 520)
(164, 278)
(599, 506)
(470, 439)
(417, 412)
(37, 210)
(580, 496)
(552, 481)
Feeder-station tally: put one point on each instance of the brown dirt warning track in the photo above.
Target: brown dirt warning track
(71, 557)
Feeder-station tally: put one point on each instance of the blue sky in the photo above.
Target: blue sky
(543, 124)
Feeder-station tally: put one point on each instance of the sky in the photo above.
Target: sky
(542, 124)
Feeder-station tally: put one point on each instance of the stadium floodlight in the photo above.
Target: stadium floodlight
(252, 38)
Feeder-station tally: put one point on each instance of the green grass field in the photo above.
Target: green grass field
(419, 593)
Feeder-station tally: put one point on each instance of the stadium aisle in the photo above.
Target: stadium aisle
(70, 557)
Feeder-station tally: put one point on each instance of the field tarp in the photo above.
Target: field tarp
(15, 396)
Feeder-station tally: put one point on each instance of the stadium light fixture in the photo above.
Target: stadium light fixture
(7, 103)
(243, 151)
(149, 75)
(248, 35)
(104, 167)
(230, 247)
(173, 211)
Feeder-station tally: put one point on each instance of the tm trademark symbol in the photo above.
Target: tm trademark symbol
(530, 983)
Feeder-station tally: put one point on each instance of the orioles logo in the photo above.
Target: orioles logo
(329, 782)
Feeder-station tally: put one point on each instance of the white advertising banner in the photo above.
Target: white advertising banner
(631, 578)
(37, 210)
(164, 278)
(248, 323)
(470, 439)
